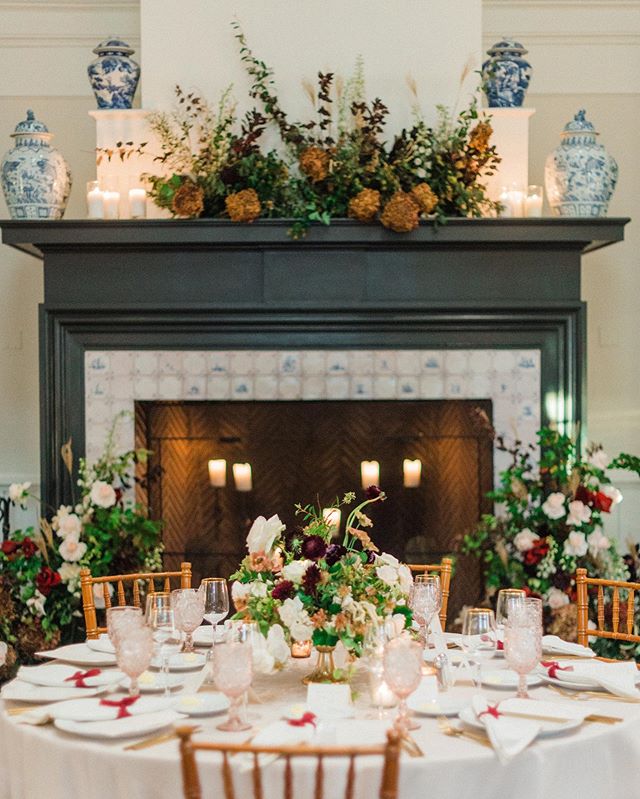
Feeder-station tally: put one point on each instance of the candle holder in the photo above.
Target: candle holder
(533, 202)
(301, 649)
(95, 200)
(512, 199)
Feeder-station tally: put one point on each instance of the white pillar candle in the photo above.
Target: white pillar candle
(95, 201)
(512, 200)
(533, 203)
(137, 203)
(111, 203)
(242, 476)
(218, 472)
(411, 470)
(332, 517)
(383, 696)
(370, 473)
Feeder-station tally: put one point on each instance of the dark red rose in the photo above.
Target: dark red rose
(29, 548)
(334, 553)
(584, 495)
(561, 580)
(9, 547)
(313, 547)
(530, 593)
(283, 590)
(373, 492)
(311, 579)
(536, 553)
(602, 502)
(47, 579)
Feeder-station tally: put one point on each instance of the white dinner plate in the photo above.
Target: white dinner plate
(102, 644)
(129, 727)
(592, 685)
(203, 635)
(20, 691)
(506, 678)
(79, 655)
(205, 704)
(98, 709)
(182, 661)
(547, 728)
(441, 706)
(59, 674)
(151, 682)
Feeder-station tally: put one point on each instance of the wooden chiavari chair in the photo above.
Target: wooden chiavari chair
(390, 753)
(444, 570)
(582, 584)
(87, 583)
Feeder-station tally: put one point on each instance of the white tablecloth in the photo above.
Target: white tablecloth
(596, 761)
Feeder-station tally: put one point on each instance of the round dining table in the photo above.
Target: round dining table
(595, 760)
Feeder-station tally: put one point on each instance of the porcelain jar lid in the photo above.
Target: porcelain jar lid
(580, 124)
(31, 126)
(509, 46)
(113, 45)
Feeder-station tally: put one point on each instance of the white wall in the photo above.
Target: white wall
(585, 53)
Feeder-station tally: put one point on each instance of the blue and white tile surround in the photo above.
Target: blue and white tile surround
(114, 380)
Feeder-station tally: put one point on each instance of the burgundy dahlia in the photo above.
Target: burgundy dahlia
(283, 590)
(313, 547)
(534, 555)
(47, 579)
(334, 553)
(311, 579)
(9, 547)
(373, 492)
(29, 547)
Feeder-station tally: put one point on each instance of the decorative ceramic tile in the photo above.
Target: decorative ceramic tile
(146, 363)
(384, 387)
(218, 388)
(361, 387)
(242, 387)
(431, 361)
(384, 362)
(194, 364)
(170, 363)
(241, 363)
(218, 363)
(455, 387)
(289, 363)
(169, 386)
(289, 388)
(456, 362)
(361, 362)
(431, 386)
(122, 363)
(338, 388)
(408, 387)
(337, 363)
(504, 360)
(266, 387)
(313, 387)
(314, 362)
(145, 388)
(195, 387)
(265, 363)
(478, 386)
(97, 362)
(408, 362)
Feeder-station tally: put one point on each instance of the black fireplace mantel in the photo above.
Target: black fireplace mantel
(213, 284)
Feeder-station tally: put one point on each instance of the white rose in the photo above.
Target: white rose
(553, 507)
(612, 492)
(295, 570)
(556, 598)
(72, 549)
(18, 492)
(263, 661)
(599, 459)
(405, 578)
(525, 540)
(36, 603)
(277, 645)
(3, 653)
(69, 524)
(102, 494)
(387, 574)
(579, 513)
(240, 591)
(598, 542)
(263, 533)
(302, 629)
(258, 588)
(98, 594)
(385, 557)
(290, 610)
(70, 574)
(576, 544)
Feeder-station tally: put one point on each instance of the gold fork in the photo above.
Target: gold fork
(457, 732)
(591, 694)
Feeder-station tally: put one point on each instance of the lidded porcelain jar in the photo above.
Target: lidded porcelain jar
(35, 177)
(506, 74)
(580, 175)
(113, 75)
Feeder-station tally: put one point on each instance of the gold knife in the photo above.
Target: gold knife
(154, 740)
(558, 720)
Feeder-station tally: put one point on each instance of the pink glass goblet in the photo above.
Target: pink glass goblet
(121, 617)
(188, 606)
(402, 673)
(133, 654)
(233, 672)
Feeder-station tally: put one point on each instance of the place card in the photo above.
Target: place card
(329, 700)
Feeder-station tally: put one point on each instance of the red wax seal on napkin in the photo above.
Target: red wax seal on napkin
(553, 667)
(121, 704)
(492, 710)
(80, 676)
(305, 718)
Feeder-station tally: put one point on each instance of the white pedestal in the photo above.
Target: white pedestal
(511, 138)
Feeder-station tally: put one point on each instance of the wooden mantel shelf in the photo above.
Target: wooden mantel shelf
(583, 235)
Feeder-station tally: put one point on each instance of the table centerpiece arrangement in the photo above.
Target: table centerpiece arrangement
(318, 589)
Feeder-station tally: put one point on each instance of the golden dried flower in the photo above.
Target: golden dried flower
(7, 670)
(188, 201)
(425, 197)
(314, 163)
(243, 206)
(341, 622)
(319, 619)
(363, 519)
(479, 137)
(363, 538)
(401, 213)
(365, 205)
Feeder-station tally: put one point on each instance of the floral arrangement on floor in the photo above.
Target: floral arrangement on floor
(40, 600)
(337, 164)
(309, 587)
(550, 524)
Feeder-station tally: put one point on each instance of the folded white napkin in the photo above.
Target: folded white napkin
(58, 674)
(508, 736)
(94, 709)
(101, 644)
(80, 654)
(553, 643)
(278, 733)
(130, 727)
(20, 691)
(617, 678)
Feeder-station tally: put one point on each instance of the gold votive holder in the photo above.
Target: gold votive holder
(301, 649)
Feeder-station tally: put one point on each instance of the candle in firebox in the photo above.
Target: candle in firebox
(218, 472)
(370, 473)
(137, 203)
(111, 204)
(411, 472)
(242, 476)
(332, 517)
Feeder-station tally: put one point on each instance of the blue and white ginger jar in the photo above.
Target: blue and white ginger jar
(35, 177)
(580, 175)
(113, 75)
(506, 74)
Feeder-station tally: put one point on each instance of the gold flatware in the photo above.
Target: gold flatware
(154, 740)
(16, 711)
(595, 717)
(457, 732)
(584, 694)
(411, 746)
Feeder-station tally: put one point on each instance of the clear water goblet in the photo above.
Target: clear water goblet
(134, 651)
(188, 606)
(216, 608)
(479, 639)
(233, 672)
(402, 673)
(120, 617)
(508, 599)
(427, 600)
(166, 635)
(523, 641)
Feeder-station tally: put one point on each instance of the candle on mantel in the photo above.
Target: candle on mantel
(512, 200)
(370, 473)
(533, 203)
(412, 471)
(218, 472)
(332, 516)
(95, 200)
(111, 204)
(137, 203)
(242, 476)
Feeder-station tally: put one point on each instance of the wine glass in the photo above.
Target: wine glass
(523, 641)
(402, 673)
(508, 599)
(188, 606)
(120, 617)
(233, 670)
(216, 607)
(426, 597)
(133, 653)
(479, 639)
(166, 635)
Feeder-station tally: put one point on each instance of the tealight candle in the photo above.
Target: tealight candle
(412, 471)
(95, 200)
(111, 204)
(301, 649)
(332, 516)
(218, 472)
(533, 203)
(137, 203)
(383, 696)
(242, 476)
(370, 473)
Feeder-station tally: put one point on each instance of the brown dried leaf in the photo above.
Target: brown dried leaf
(66, 453)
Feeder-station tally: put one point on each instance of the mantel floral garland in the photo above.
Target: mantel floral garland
(309, 587)
(337, 164)
(550, 524)
(40, 601)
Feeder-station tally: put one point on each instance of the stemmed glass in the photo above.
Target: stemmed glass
(523, 641)
(121, 617)
(374, 641)
(188, 607)
(508, 599)
(133, 653)
(426, 601)
(216, 605)
(402, 673)
(166, 635)
(233, 672)
(479, 639)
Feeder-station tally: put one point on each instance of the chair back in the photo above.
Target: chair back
(87, 582)
(390, 752)
(627, 633)
(444, 570)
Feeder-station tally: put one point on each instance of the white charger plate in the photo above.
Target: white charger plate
(205, 704)
(547, 728)
(182, 661)
(79, 655)
(129, 727)
(151, 682)
(102, 644)
(56, 675)
(506, 678)
(20, 691)
(441, 706)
